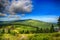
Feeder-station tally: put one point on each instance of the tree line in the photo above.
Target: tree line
(38, 30)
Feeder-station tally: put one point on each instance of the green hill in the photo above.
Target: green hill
(26, 29)
(29, 22)
(35, 23)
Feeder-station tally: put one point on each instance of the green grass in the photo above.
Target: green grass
(31, 22)
(40, 36)
(27, 25)
(30, 36)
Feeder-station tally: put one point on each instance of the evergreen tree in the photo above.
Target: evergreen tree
(58, 22)
(52, 28)
(41, 30)
(27, 32)
(3, 31)
(37, 29)
(8, 30)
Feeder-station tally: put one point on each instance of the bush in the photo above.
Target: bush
(45, 39)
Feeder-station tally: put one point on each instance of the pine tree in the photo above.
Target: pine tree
(41, 30)
(58, 23)
(52, 28)
(3, 31)
(8, 30)
(37, 29)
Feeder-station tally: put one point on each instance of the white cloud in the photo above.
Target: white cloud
(20, 6)
(13, 7)
(3, 5)
(49, 18)
(2, 15)
(10, 18)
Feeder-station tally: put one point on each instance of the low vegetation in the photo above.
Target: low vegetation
(28, 30)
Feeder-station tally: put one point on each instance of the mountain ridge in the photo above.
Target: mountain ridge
(27, 22)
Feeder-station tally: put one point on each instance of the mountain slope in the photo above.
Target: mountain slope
(35, 23)
(30, 22)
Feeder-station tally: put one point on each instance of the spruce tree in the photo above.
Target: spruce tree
(58, 23)
(3, 31)
(8, 30)
(52, 28)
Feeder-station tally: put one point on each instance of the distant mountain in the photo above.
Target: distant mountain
(30, 22)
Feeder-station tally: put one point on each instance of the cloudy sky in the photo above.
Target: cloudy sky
(44, 10)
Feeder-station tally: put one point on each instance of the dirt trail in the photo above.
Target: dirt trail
(23, 37)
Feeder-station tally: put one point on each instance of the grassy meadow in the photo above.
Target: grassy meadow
(28, 30)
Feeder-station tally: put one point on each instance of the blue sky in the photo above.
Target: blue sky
(46, 7)
(44, 10)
